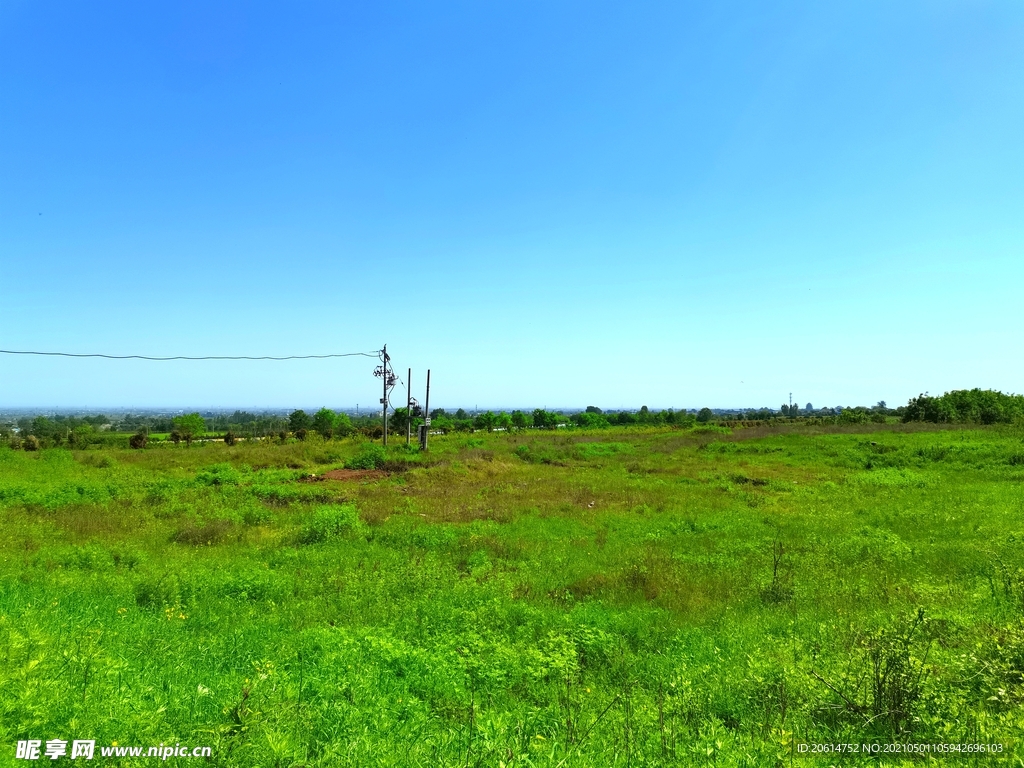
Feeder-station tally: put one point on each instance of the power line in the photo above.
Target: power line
(185, 357)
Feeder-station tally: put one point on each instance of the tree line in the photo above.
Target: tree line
(974, 406)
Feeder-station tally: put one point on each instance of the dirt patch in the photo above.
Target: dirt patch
(345, 474)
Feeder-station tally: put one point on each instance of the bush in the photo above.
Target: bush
(218, 474)
(138, 440)
(331, 522)
(229, 438)
(30, 443)
(966, 406)
(371, 457)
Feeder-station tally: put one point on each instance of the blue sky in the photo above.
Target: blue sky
(676, 204)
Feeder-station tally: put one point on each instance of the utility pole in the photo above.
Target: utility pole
(425, 429)
(384, 399)
(388, 378)
(408, 408)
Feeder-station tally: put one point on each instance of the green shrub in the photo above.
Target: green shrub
(370, 457)
(330, 522)
(219, 474)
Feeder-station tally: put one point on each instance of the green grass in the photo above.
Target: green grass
(608, 598)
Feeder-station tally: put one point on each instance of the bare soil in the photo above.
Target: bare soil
(346, 474)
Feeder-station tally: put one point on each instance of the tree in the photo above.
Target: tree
(81, 436)
(190, 426)
(461, 414)
(299, 420)
(593, 409)
(809, 408)
(590, 420)
(343, 425)
(487, 420)
(544, 419)
(324, 422)
(518, 419)
(705, 415)
(443, 423)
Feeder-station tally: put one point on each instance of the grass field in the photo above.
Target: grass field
(607, 598)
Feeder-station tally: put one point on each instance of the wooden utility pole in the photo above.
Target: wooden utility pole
(426, 420)
(384, 399)
(408, 408)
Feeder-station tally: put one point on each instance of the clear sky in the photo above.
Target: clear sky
(547, 203)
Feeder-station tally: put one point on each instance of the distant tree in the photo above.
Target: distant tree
(519, 420)
(299, 420)
(504, 422)
(190, 426)
(398, 420)
(486, 420)
(437, 413)
(966, 406)
(590, 420)
(461, 414)
(324, 422)
(343, 425)
(43, 426)
(853, 416)
(81, 436)
(704, 415)
(809, 408)
(785, 409)
(443, 423)
(593, 409)
(543, 419)
(880, 405)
